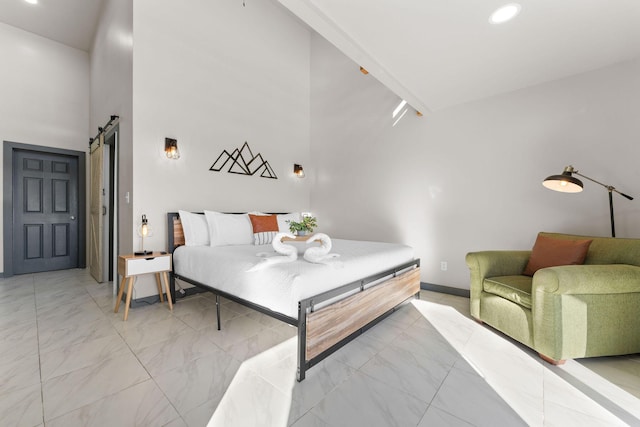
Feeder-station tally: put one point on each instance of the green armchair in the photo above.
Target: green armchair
(564, 312)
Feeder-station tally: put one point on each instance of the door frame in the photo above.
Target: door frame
(112, 245)
(7, 220)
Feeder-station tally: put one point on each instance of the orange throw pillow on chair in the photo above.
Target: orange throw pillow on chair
(550, 252)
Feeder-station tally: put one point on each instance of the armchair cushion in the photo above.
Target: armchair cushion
(516, 289)
(550, 252)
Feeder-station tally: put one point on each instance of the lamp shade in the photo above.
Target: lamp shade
(564, 183)
(144, 230)
(144, 227)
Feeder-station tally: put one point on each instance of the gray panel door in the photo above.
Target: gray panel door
(45, 212)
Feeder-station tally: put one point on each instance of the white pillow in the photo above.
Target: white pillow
(229, 229)
(196, 229)
(283, 225)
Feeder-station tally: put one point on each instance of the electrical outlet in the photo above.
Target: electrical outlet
(443, 265)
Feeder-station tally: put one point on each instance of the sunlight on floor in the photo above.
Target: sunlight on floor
(249, 400)
(609, 393)
(541, 394)
(526, 383)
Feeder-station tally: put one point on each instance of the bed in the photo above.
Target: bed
(329, 304)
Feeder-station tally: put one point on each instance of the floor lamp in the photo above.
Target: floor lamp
(566, 183)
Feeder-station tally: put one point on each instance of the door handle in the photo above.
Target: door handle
(72, 217)
(104, 210)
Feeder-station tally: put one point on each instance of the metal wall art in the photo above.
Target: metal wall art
(243, 162)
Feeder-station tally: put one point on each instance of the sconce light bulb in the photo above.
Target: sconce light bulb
(171, 148)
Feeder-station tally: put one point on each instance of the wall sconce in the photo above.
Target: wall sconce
(298, 171)
(171, 148)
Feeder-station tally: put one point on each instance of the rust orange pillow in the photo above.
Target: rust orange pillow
(265, 227)
(550, 252)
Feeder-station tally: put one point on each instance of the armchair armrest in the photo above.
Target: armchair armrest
(491, 264)
(586, 310)
(587, 280)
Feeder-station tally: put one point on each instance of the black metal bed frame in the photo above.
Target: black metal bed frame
(305, 306)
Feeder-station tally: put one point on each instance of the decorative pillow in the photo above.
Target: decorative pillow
(283, 225)
(229, 229)
(265, 227)
(550, 252)
(195, 228)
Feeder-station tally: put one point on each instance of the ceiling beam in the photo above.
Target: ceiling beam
(323, 25)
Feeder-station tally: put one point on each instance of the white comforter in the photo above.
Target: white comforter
(279, 287)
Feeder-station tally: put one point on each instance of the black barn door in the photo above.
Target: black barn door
(45, 212)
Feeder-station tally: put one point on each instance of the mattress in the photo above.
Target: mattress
(279, 287)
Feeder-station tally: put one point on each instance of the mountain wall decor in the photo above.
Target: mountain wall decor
(243, 162)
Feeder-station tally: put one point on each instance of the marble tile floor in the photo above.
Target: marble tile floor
(67, 360)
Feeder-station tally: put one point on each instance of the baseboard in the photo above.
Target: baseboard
(189, 291)
(143, 302)
(153, 299)
(445, 289)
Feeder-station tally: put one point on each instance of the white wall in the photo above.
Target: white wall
(469, 178)
(112, 93)
(213, 75)
(45, 93)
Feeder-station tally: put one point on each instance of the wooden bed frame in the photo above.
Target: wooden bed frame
(322, 331)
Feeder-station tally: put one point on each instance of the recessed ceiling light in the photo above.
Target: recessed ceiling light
(32, 1)
(505, 13)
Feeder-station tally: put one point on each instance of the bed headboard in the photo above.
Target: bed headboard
(175, 236)
(175, 232)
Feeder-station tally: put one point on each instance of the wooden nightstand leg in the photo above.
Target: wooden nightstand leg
(128, 302)
(120, 292)
(159, 287)
(166, 285)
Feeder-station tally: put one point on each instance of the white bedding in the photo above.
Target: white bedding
(279, 287)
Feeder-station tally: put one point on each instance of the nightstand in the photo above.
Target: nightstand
(130, 266)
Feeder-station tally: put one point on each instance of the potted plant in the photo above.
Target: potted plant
(303, 227)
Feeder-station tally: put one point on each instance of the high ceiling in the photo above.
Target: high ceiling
(71, 22)
(433, 53)
(439, 53)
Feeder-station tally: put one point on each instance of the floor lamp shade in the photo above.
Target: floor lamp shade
(565, 182)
